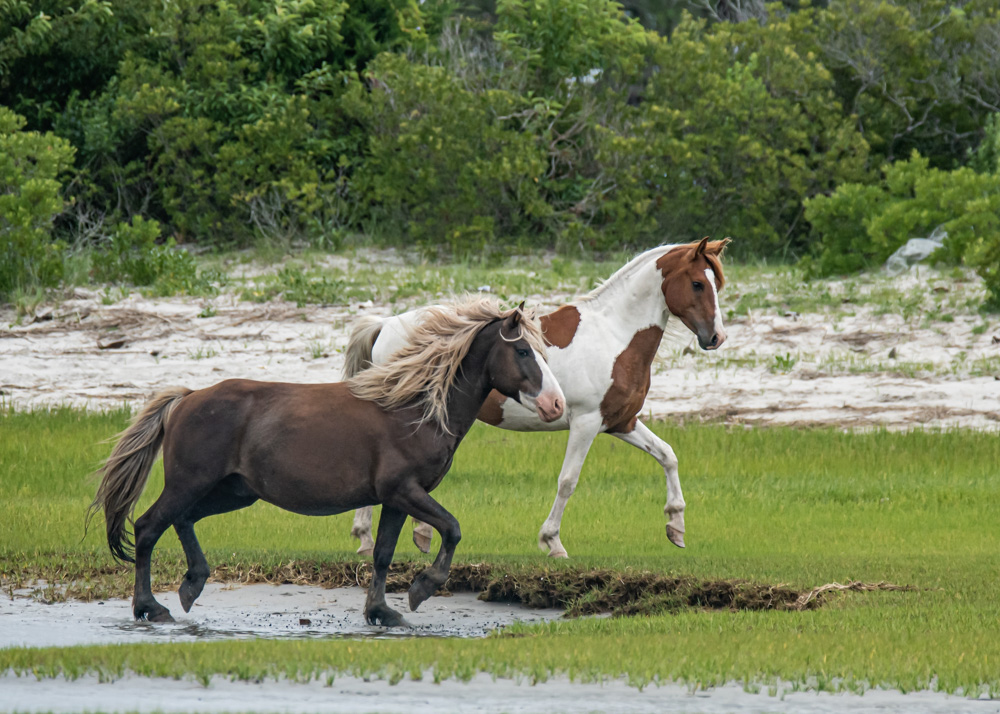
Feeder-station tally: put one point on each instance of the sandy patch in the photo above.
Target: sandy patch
(849, 365)
(481, 694)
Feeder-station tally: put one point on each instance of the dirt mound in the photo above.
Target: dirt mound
(577, 591)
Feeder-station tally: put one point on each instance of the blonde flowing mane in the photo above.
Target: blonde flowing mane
(425, 369)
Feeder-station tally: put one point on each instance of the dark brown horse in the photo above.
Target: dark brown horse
(387, 436)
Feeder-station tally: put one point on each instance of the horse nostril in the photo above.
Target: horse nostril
(715, 340)
(558, 405)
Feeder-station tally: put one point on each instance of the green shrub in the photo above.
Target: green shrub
(859, 226)
(30, 164)
(735, 130)
(131, 254)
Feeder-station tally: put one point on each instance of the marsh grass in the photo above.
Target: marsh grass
(788, 507)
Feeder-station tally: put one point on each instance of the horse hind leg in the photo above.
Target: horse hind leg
(422, 533)
(362, 530)
(148, 529)
(231, 494)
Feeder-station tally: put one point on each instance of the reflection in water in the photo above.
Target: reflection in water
(196, 631)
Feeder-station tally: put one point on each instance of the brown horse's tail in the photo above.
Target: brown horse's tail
(126, 470)
(358, 355)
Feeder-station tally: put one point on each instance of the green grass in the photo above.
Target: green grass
(799, 507)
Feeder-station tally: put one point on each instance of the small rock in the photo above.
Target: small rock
(892, 353)
(996, 339)
(154, 353)
(484, 289)
(43, 315)
(792, 314)
(111, 344)
(687, 351)
(305, 621)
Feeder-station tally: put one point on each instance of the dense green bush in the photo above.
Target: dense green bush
(736, 130)
(519, 123)
(860, 226)
(131, 254)
(30, 167)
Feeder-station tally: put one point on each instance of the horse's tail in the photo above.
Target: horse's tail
(126, 470)
(358, 355)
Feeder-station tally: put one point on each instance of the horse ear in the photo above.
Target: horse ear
(700, 250)
(717, 246)
(518, 314)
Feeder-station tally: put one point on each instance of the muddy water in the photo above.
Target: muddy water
(271, 611)
(294, 611)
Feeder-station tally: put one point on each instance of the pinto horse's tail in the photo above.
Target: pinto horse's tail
(126, 470)
(358, 355)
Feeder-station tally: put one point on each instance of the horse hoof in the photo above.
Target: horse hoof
(558, 554)
(422, 542)
(367, 552)
(676, 537)
(163, 615)
(386, 618)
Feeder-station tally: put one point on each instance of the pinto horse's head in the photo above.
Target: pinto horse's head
(518, 368)
(692, 278)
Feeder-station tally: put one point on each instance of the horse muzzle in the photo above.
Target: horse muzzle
(711, 341)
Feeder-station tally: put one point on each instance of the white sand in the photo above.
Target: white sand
(164, 343)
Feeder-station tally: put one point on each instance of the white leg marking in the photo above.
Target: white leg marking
(582, 432)
(362, 530)
(660, 450)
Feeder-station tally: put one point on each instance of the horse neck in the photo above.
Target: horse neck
(633, 296)
(468, 392)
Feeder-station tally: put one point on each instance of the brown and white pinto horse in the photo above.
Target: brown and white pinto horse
(601, 348)
(387, 436)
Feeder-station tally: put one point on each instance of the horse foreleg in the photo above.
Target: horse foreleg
(419, 504)
(362, 530)
(660, 450)
(377, 612)
(582, 432)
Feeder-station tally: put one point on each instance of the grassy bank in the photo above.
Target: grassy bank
(773, 506)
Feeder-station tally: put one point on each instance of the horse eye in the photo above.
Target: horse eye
(523, 352)
(698, 287)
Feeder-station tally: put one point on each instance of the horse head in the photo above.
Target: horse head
(692, 278)
(518, 369)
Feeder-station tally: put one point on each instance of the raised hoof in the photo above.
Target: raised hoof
(558, 554)
(423, 542)
(420, 591)
(386, 617)
(189, 592)
(676, 537)
(367, 552)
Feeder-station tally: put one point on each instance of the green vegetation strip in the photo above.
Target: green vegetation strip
(781, 508)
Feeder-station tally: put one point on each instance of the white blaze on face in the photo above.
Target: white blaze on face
(550, 401)
(719, 329)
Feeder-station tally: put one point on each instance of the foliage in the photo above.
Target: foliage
(917, 75)
(131, 254)
(30, 166)
(736, 129)
(860, 226)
